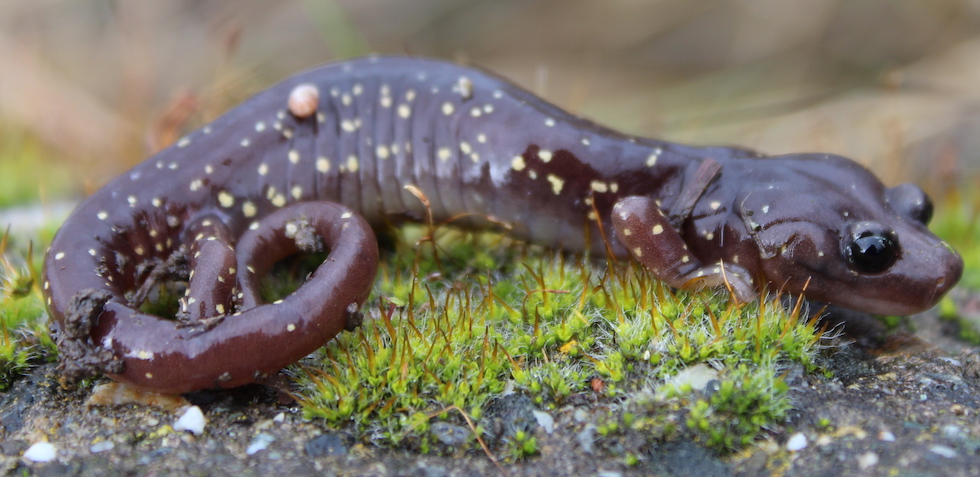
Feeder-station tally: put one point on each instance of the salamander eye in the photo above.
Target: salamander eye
(871, 249)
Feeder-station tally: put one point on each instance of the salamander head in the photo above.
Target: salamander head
(827, 220)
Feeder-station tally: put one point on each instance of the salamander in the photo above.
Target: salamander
(267, 180)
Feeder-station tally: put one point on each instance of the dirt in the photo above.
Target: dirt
(902, 406)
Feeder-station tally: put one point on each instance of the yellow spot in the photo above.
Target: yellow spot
(346, 99)
(246, 142)
(263, 169)
(556, 183)
(549, 122)
(348, 125)
(386, 101)
(102, 215)
(346, 215)
(323, 165)
(196, 184)
(143, 354)
(410, 95)
(156, 202)
(627, 232)
(404, 111)
(444, 153)
(517, 163)
(613, 187)
(652, 160)
(592, 215)
(290, 327)
(465, 147)
(358, 89)
(184, 141)
(545, 155)
(132, 200)
(259, 126)
(219, 308)
(382, 151)
(685, 259)
(658, 229)
(715, 204)
(225, 199)
(139, 250)
(148, 375)
(599, 186)
(294, 156)
(297, 192)
(352, 163)
(59, 256)
(475, 112)
(279, 200)
(638, 252)
(585, 141)
(532, 174)
(481, 138)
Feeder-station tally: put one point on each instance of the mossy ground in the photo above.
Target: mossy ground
(457, 322)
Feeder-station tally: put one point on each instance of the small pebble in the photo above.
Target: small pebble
(101, 446)
(796, 442)
(326, 444)
(280, 418)
(586, 439)
(545, 421)
(259, 443)
(943, 451)
(609, 473)
(41, 452)
(450, 434)
(193, 421)
(886, 436)
(866, 460)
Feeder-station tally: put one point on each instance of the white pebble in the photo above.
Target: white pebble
(886, 436)
(796, 442)
(866, 460)
(944, 451)
(281, 417)
(545, 421)
(41, 452)
(101, 446)
(259, 443)
(193, 421)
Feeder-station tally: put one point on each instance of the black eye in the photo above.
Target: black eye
(872, 252)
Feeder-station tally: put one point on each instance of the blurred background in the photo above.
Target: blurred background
(90, 87)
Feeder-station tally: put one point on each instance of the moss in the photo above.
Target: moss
(23, 333)
(456, 322)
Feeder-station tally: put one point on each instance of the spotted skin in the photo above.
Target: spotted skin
(373, 134)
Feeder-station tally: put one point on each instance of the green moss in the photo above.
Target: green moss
(456, 322)
(23, 333)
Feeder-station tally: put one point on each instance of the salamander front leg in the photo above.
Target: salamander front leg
(644, 229)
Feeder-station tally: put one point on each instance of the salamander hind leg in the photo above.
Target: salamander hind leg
(644, 229)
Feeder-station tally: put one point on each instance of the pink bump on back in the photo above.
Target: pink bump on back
(303, 100)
